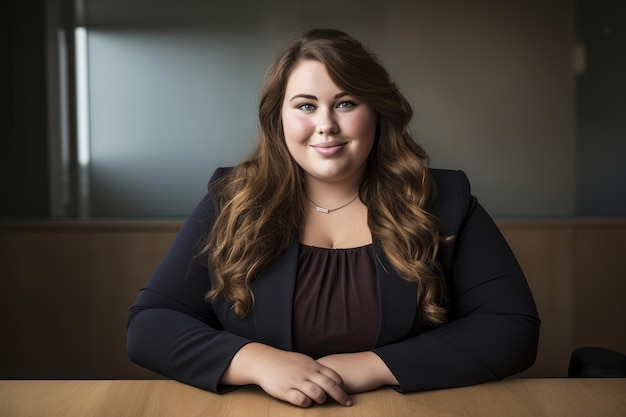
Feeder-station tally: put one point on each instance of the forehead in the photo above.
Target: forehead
(310, 74)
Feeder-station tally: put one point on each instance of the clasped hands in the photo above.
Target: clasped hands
(300, 380)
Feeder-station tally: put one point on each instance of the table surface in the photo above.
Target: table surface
(154, 398)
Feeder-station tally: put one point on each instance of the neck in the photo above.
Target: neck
(330, 195)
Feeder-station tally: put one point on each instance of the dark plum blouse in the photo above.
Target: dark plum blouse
(335, 307)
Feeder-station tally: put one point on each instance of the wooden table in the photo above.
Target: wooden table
(155, 398)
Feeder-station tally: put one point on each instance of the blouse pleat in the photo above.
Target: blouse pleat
(336, 301)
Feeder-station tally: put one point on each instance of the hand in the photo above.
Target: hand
(288, 376)
(361, 371)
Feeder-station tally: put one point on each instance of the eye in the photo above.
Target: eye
(306, 107)
(346, 104)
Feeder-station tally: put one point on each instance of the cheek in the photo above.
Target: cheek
(363, 125)
(295, 129)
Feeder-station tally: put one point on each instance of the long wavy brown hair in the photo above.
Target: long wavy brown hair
(262, 202)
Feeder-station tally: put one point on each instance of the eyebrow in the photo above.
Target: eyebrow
(312, 97)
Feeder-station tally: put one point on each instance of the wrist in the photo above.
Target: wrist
(241, 370)
(361, 371)
(382, 371)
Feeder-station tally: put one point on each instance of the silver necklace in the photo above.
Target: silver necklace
(327, 210)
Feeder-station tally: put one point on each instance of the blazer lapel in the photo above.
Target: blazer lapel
(398, 301)
(273, 293)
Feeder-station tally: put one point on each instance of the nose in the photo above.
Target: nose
(327, 123)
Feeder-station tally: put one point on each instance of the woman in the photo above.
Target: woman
(333, 260)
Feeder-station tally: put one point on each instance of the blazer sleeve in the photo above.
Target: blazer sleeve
(171, 329)
(493, 325)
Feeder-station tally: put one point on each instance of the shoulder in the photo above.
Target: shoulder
(453, 199)
(218, 174)
(206, 210)
(217, 179)
(452, 185)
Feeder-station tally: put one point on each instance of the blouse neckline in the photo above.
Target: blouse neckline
(366, 246)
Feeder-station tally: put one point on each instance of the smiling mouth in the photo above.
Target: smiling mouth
(329, 144)
(329, 148)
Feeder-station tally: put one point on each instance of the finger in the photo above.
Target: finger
(313, 391)
(332, 388)
(297, 397)
(332, 374)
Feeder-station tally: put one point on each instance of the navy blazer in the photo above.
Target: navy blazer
(491, 333)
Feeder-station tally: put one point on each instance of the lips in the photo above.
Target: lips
(329, 148)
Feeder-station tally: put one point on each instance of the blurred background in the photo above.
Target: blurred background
(124, 108)
(115, 113)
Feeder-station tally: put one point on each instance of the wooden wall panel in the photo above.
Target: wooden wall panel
(66, 291)
(66, 288)
(545, 255)
(600, 279)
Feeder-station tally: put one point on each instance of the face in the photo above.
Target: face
(327, 131)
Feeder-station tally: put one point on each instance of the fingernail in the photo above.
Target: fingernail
(348, 403)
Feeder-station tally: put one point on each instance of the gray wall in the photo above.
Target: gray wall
(601, 110)
(173, 93)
